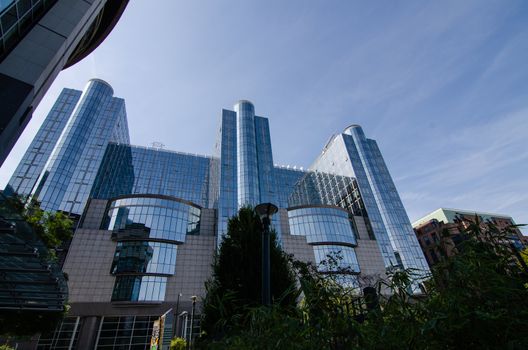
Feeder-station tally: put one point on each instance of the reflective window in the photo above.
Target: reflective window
(66, 334)
(32, 164)
(139, 288)
(129, 169)
(144, 257)
(148, 217)
(17, 17)
(322, 225)
(125, 332)
(332, 258)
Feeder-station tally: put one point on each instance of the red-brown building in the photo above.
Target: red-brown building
(430, 231)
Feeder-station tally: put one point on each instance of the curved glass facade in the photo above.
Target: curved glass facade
(333, 258)
(330, 232)
(322, 225)
(140, 264)
(247, 162)
(69, 174)
(152, 218)
(144, 257)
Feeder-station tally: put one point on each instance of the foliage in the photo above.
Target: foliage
(235, 286)
(524, 255)
(178, 344)
(476, 299)
(52, 228)
(6, 347)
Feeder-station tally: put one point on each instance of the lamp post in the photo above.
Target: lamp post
(190, 343)
(265, 212)
(176, 323)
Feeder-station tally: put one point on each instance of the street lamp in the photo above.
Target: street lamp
(265, 211)
(176, 323)
(193, 298)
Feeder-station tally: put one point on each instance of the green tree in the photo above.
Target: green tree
(44, 231)
(476, 299)
(52, 228)
(235, 286)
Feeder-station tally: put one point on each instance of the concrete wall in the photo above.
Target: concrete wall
(36, 60)
(88, 266)
(193, 267)
(93, 216)
(298, 247)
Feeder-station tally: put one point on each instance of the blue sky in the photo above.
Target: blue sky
(442, 86)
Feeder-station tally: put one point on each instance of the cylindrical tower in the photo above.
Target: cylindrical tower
(354, 130)
(247, 162)
(75, 139)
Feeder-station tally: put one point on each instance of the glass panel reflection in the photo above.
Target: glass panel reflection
(334, 258)
(145, 217)
(322, 225)
(144, 257)
(139, 288)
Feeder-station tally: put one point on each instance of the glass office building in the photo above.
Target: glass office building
(353, 155)
(151, 219)
(60, 166)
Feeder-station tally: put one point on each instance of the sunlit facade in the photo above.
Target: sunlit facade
(351, 154)
(60, 166)
(151, 219)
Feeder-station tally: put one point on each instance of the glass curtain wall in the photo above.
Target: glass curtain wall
(148, 230)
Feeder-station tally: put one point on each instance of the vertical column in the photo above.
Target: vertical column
(247, 161)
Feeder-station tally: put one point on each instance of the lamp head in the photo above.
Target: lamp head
(266, 210)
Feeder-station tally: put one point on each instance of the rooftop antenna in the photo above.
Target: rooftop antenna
(157, 145)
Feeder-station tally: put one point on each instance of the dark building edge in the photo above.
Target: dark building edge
(98, 31)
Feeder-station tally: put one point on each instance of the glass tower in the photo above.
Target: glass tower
(71, 143)
(246, 174)
(247, 162)
(352, 154)
(162, 213)
(32, 164)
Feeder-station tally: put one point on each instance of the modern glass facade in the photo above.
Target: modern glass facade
(129, 169)
(125, 332)
(330, 232)
(247, 162)
(246, 171)
(336, 258)
(144, 257)
(92, 158)
(352, 154)
(32, 164)
(286, 179)
(71, 143)
(152, 218)
(152, 211)
(322, 225)
(148, 230)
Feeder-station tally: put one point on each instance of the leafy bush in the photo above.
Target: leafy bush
(178, 344)
(476, 299)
